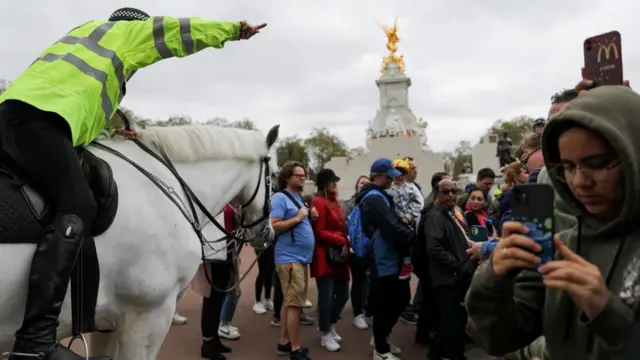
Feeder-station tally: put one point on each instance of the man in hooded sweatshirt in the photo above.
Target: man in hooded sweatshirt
(587, 296)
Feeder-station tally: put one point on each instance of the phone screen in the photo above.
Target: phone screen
(603, 59)
(532, 205)
(478, 233)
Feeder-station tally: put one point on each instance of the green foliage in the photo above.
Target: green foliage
(322, 146)
(292, 149)
(516, 128)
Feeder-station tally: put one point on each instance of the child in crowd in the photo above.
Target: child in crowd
(404, 202)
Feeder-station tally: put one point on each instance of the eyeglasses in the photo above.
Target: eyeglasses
(300, 176)
(524, 160)
(595, 169)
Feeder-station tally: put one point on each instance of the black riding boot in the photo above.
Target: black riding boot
(48, 282)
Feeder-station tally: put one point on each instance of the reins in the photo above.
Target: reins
(193, 200)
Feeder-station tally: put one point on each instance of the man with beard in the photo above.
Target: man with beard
(291, 219)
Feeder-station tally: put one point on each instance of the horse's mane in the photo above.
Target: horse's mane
(205, 142)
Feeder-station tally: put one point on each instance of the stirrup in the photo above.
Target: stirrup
(84, 342)
(6, 355)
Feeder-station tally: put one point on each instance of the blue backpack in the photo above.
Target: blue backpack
(360, 243)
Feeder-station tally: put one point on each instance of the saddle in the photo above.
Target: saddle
(100, 178)
(32, 213)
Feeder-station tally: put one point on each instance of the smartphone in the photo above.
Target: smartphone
(478, 233)
(532, 205)
(603, 59)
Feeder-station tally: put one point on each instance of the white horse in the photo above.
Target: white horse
(151, 252)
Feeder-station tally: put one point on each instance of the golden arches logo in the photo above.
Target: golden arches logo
(607, 51)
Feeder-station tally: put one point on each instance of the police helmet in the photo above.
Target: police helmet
(128, 14)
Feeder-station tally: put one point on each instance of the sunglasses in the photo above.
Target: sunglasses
(447, 191)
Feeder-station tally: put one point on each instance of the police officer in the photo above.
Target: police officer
(62, 101)
(538, 125)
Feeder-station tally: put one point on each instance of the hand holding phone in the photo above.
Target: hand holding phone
(478, 233)
(514, 251)
(532, 205)
(603, 59)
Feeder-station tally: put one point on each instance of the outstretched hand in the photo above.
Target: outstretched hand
(247, 30)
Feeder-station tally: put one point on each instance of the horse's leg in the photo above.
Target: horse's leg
(104, 344)
(142, 332)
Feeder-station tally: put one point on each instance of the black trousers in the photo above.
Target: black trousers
(359, 285)
(266, 273)
(40, 144)
(220, 275)
(450, 323)
(427, 315)
(390, 296)
(278, 297)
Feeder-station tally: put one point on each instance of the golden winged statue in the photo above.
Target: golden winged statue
(392, 36)
(392, 41)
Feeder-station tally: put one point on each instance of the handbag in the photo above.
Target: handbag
(334, 255)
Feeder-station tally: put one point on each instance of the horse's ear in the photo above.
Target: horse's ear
(272, 136)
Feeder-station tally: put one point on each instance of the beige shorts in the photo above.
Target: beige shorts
(295, 280)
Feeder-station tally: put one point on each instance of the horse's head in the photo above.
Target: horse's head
(253, 202)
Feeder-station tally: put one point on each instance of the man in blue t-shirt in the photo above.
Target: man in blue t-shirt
(293, 252)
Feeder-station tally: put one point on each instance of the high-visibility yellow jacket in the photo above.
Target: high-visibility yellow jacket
(81, 77)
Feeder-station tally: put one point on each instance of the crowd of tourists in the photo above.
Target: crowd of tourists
(491, 291)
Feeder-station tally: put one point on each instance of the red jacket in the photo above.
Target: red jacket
(329, 229)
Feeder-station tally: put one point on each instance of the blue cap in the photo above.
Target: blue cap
(384, 166)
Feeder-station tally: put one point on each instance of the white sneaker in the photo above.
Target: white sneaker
(360, 322)
(394, 349)
(335, 334)
(308, 303)
(228, 332)
(329, 342)
(259, 309)
(268, 304)
(179, 319)
(387, 356)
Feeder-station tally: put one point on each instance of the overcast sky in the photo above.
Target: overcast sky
(471, 62)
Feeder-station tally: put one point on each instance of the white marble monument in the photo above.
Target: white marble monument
(394, 131)
(483, 154)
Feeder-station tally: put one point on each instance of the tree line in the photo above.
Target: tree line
(317, 149)
(516, 128)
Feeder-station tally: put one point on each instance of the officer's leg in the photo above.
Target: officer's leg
(40, 143)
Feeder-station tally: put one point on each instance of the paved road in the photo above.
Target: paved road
(259, 339)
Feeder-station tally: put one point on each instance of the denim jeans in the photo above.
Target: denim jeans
(333, 294)
(228, 307)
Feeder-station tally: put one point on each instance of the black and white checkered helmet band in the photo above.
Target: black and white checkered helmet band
(128, 14)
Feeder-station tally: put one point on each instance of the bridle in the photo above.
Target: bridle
(263, 175)
(192, 200)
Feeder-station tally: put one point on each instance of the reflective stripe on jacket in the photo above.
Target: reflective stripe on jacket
(82, 76)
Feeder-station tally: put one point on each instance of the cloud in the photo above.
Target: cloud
(316, 63)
